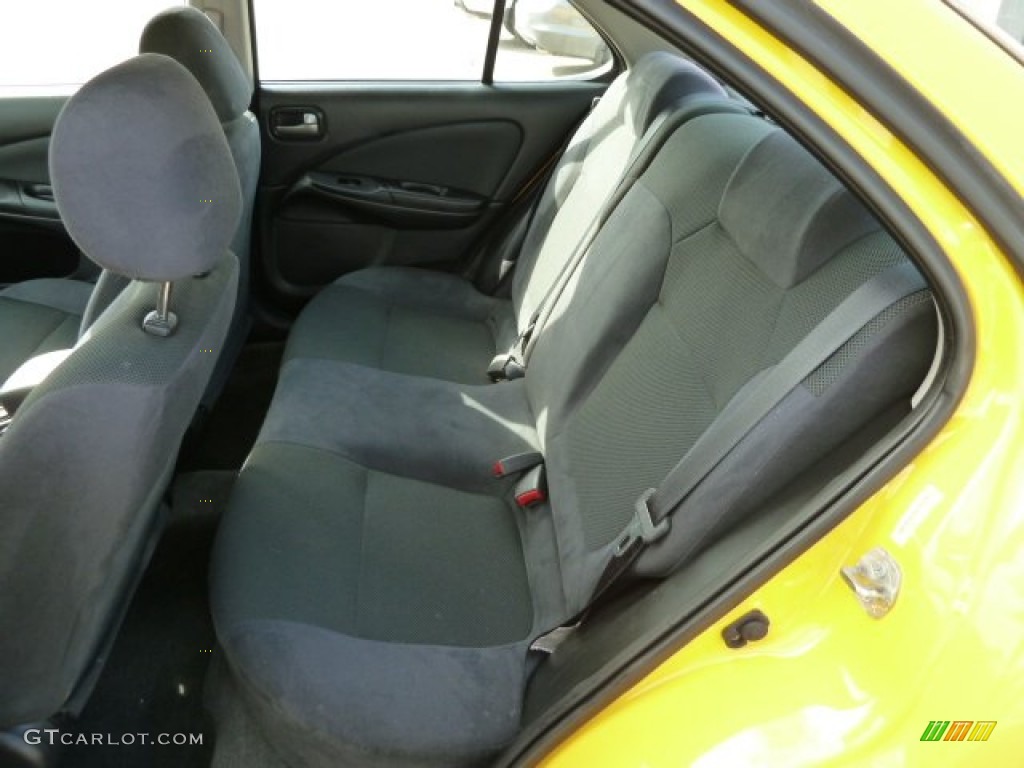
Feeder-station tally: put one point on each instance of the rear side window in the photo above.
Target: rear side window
(302, 40)
(59, 44)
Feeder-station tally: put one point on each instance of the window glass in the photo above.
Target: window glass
(421, 40)
(369, 40)
(59, 44)
(548, 39)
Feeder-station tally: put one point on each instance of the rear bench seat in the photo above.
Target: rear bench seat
(375, 588)
(432, 324)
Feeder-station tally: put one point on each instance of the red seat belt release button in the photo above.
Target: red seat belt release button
(532, 488)
(531, 498)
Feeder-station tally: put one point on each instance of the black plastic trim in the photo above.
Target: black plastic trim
(493, 38)
(400, 204)
(684, 30)
(255, 55)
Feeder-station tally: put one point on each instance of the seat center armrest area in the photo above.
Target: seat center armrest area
(428, 429)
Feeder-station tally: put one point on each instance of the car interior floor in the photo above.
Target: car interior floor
(222, 439)
(153, 680)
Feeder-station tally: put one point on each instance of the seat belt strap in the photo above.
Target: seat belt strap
(653, 511)
(659, 131)
(842, 324)
(511, 245)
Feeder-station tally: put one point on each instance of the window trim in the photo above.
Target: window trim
(493, 38)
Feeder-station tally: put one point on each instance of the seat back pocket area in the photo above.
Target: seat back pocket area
(376, 591)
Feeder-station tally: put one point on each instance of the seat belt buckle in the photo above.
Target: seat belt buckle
(509, 365)
(532, 488)
(505, 367)
(642, 527)
(496, 369)
(516, 463)
(514, 369)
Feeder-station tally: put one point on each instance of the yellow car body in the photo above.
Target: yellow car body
(830, 685)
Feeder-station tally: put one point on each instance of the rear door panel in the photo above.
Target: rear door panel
(402, 173)
(25, 127)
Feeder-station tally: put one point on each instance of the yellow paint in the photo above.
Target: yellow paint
(959, 69)
(830, 686)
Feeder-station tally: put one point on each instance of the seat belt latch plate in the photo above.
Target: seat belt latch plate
(642, 528)
(549, 642)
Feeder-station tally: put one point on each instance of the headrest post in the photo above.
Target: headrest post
(161, 321)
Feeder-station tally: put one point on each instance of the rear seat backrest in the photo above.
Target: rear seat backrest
(593, 165)
(708, 273)
(606, 300)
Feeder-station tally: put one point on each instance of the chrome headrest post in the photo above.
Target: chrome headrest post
(161, 321)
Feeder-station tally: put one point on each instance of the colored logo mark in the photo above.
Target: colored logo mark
(958, 730)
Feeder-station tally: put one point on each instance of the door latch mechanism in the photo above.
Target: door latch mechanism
(748, 628)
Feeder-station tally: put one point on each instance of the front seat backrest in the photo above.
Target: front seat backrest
(145, 183)
(188, 36)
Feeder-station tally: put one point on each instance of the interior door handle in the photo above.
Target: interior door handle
(29, 201)
(40, 191)
(311, 128)
(296, 123)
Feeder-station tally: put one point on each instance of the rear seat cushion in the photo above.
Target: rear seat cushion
(422, 590)
(39, 316)
(405, 320)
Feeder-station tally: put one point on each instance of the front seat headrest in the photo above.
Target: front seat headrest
(189, 37)
(142, 173)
